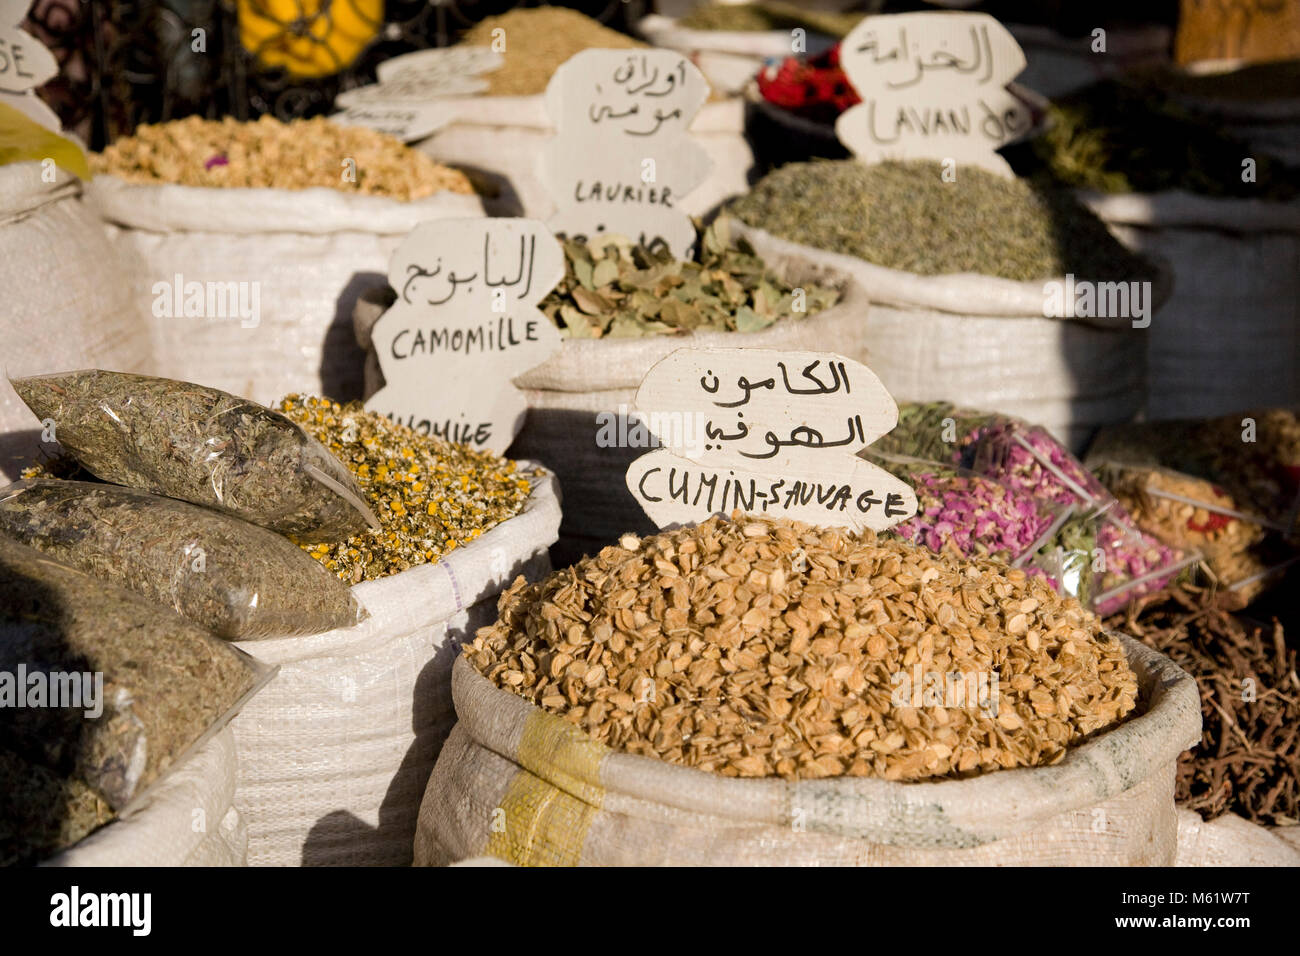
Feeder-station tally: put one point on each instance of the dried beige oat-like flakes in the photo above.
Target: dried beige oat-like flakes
(754, 648)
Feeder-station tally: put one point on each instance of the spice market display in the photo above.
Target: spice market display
(641, 602)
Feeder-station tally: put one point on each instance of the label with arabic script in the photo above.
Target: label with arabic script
(933, 86)
(464, 325)
(769, 432)
(622, 159)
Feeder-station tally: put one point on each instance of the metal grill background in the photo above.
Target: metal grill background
(126, 62)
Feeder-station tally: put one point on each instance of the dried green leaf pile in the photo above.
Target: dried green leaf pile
(614, 288)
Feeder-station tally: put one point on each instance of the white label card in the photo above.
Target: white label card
(622, 158)
(464, 325)
(769, 432)
(24, 62)
(933, 86)
(409, 101)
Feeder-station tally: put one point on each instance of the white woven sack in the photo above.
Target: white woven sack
(571, 395)
(67, 297)
(1229, 337)
(530, 787)
(1231, 840)
(982, 342)
(334, 753)
(302, 248)
(189, 819)
(505, 135)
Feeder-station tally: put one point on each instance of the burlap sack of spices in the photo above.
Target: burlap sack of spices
(334, 754)
(525, 786)
(275, 267)
(579, 399)
(189, 819)
(983, 342)
(1238, 258)
(67, 296)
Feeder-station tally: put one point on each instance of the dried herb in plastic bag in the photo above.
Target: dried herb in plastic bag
(41, 813)
(1133, 562)
(201, 445)
(936, 431)
(237, 580)
(102, 684)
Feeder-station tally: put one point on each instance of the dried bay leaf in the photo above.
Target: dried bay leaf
(619, 289)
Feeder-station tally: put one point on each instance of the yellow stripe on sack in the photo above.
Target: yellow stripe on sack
(545, 823)
(22, 139)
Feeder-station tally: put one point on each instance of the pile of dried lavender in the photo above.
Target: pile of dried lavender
(758, 648)
(1249, 759)
(430, 496)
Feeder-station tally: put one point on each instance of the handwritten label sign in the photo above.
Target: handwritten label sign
(24, 62)
(769, 432)
(24, 65)
(465, 323)
(933, 86)
(622, 158)
(406, 101)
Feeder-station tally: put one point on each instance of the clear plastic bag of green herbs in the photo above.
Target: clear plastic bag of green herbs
(106, 689)
(1127, 563)
(200, 445)
(936, 431)
(1066, 559)
(970, 515)
(238, 580)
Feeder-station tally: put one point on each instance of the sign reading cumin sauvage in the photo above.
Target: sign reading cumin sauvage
(622, 158)
(769, 432)
(464, 325)
(933, 86)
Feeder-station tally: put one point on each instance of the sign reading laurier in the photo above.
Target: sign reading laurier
(768, 432)
(464, 325)
(622, 158)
